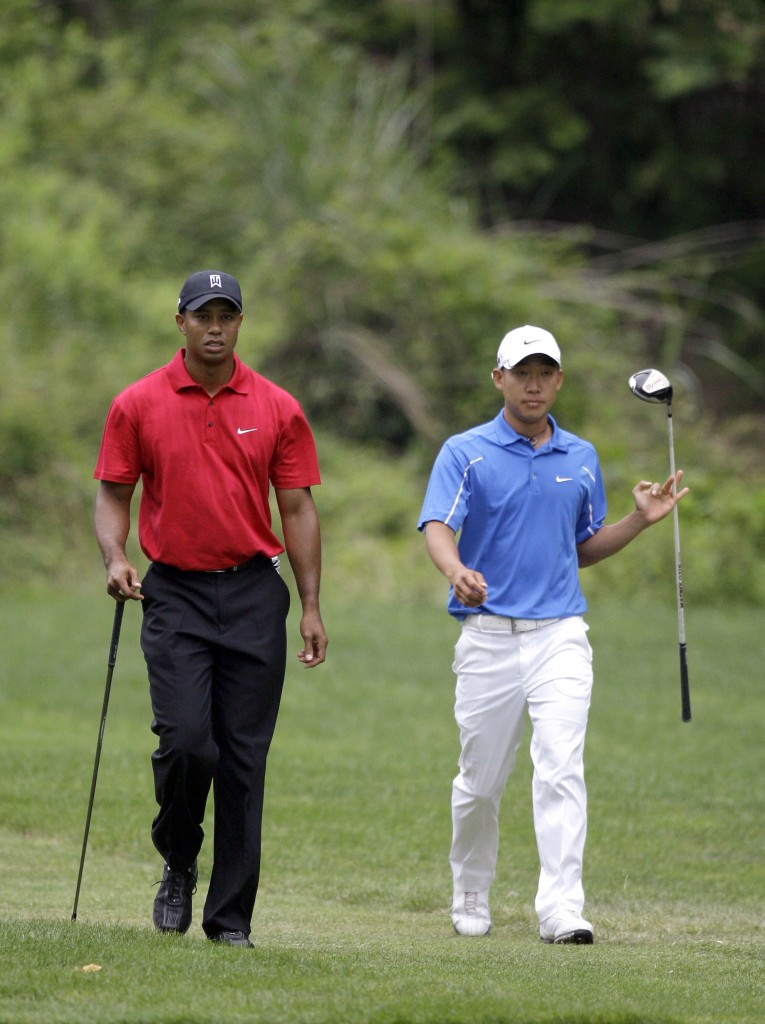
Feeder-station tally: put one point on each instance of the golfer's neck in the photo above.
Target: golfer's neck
(210, 377)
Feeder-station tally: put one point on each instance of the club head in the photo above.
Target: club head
(651, 386)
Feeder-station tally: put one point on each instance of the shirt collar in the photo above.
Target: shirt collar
(180, 378)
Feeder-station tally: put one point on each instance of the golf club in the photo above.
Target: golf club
(652, 386)
(119, 609)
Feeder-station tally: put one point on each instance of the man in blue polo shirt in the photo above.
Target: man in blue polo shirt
(528, 502)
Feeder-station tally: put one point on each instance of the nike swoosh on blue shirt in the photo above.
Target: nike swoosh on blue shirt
(563, 479)
(249, 430)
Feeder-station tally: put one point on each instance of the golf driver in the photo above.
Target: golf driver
(653, 386)
(119, 609)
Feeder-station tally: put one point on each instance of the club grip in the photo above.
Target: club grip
(119, 611)
(685, 693)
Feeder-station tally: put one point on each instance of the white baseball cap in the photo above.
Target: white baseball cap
(526, 341)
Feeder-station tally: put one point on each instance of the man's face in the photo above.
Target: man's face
(210, 331)
(529, 388)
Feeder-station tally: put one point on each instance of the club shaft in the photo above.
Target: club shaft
(119, 609)
(685, 695)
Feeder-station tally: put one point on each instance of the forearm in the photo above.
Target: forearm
(653, 502)
(112, 521)
(441, 545)
(302, 542)
(610, 539)
(469, 586)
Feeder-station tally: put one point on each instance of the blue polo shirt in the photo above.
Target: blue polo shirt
(519, 514)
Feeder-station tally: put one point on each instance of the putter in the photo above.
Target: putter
(119, 609)
(653, 386)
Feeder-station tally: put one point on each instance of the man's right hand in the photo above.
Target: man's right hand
(123, 582)
(470, 588)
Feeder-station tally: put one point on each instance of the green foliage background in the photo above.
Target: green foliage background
(370, 181)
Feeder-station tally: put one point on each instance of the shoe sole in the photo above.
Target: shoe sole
(242, 943)
(472, 935)
(580, 937)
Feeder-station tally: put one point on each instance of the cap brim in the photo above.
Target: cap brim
(505, 365)
(200, 300)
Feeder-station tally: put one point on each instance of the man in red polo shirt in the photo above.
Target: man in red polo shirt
(207, 437)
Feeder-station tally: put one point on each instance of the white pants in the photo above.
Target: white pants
(499, 675)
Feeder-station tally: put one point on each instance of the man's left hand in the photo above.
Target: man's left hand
(315, 639)
(655, 501)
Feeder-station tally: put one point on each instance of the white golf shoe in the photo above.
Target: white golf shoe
(470, 913)
(566, 927)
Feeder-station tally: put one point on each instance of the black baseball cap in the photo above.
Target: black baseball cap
(204, 285)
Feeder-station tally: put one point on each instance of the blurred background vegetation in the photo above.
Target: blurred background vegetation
(395, 183)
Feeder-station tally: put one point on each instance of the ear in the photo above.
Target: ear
(181, 321)
(496, 376)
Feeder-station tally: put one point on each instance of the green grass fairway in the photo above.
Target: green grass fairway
(351, 924)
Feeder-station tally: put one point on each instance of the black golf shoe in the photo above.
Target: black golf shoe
(172, 905)
(231, 939)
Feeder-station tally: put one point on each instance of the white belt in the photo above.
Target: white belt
(504, 622)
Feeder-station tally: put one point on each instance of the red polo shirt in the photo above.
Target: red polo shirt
(206, 463)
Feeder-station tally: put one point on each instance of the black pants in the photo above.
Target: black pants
(215, 648)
